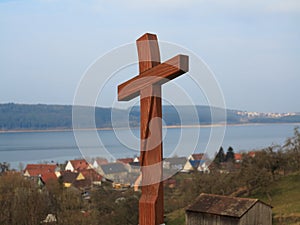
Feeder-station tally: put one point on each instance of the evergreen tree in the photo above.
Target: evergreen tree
(230, 155)
(220, 157)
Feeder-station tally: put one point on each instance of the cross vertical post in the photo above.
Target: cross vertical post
(148, 85)
(151, 206)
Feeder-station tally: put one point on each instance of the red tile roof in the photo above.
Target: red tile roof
(91, 174)
(238, 156)
(39, 169)
(80, 164)
(48, 176)
(101, 161)
(251, 154)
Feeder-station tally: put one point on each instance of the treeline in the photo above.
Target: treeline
(19, 116)
(40, 116)
(43, 117)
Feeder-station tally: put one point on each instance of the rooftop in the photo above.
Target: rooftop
(197, 156)
(111, 168)
(80, 164)
(39, 169)
(125, 160)
(222, 205)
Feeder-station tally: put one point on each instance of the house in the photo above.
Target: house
(114, 171)
(77, 165)
(50, 219)
(134, 167)
(125, 160)
(251, 154)
(196, 156)
(70, 178)
(99, 161)
(238, 157)
(93, 176)
(190, 166)
(223, 210)
(175, 163)
(196, 162)
(34, 170)
(46, 177)
(204, 166)
(43, 172)
(196, 165)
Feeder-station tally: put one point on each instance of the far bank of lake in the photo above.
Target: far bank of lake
(60, 145)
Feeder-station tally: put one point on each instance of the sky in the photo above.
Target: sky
(252, 46)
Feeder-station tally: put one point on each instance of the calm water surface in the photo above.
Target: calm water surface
(32, 147)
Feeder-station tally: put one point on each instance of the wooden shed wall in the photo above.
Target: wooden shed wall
(196, 218)
(259, 214)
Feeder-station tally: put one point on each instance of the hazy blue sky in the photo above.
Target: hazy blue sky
(252, 46)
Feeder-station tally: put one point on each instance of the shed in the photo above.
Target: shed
(223, 210)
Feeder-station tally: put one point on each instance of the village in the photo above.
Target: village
(123, 173)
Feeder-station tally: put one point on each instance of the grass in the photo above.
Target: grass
(283, 195)
(176, 218)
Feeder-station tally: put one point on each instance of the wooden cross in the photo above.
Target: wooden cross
(148, 85)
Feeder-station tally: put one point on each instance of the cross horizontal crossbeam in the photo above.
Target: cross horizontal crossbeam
(159, 74)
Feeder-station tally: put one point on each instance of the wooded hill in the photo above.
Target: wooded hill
(43, 117)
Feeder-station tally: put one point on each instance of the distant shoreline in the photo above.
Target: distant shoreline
(120, 128)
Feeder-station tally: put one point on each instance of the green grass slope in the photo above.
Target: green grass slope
(176, 218)
(284, 196)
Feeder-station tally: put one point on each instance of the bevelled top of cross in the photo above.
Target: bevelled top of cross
(150, 66)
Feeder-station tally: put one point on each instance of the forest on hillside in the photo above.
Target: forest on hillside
(45, 117)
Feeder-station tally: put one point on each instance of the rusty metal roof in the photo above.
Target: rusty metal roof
(222, 205)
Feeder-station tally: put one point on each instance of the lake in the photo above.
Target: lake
(33, 147)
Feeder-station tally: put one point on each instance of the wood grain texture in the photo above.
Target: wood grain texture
(159, 74)
(148, 52)
(151, 206)
(148, 85)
